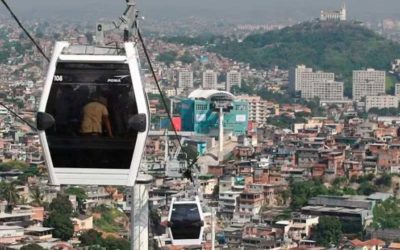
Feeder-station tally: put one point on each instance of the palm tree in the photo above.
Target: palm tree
(9, 192)
(36, 196)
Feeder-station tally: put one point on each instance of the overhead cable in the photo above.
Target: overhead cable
(25, 31)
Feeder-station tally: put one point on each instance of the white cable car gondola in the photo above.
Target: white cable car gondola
(93, 115)
(186, 222)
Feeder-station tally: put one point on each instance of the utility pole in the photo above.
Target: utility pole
(140, 212)
(221, 135)
(212, 228)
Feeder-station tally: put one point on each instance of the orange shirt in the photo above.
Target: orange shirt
(93, 113)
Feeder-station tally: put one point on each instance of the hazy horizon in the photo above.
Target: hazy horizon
(233, 11)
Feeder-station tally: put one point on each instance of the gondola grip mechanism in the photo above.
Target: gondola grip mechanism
(44, 121)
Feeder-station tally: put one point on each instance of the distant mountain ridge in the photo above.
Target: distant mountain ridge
(338, 47)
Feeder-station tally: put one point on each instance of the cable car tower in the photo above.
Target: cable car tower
(93, 115)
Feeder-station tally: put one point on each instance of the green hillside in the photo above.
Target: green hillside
(329, 46)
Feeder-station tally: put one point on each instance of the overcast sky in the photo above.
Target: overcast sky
(240, 11)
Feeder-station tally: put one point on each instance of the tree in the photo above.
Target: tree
(61, 204)
(33, 246)
(59, 218)
(367, 188)
(9, 192)
(328, 231)
(301, 192)
(387, 214)
(36, 196)
(91, 237)
(62, 224)
(385, 180)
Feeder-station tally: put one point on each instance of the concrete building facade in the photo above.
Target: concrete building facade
(258, 108)
(328, 90)
(303, 79)
(381, 101)
(209, 79)
(185, 79)
(368, 82)
(233, 78)
(397, 89)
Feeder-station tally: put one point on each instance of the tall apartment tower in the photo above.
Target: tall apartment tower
(233, 78)
(209, 79)
(185, 79)
(303, 79)
(368, 82)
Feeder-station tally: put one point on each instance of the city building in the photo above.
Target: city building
(381, 101)
(209, 79)
(335, 15)
(355, 212)
(328, 90)
(233, 78)
(228, 203)
(397, 89)
(368, 82)
(303, 79)
(258, 108)
(200, 113)
(185, 79)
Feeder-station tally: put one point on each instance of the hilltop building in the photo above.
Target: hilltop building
(335, 15)
(199, 113)
(368, 82)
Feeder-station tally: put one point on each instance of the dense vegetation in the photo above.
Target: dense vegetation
(328, 231)
(387, 214)
(111, 220)
(329, 46)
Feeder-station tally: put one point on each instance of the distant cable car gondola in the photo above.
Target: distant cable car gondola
(93, 115)
(186, 222)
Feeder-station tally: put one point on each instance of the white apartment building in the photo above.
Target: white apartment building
(302, 79)
(233, 78)
(368, 82)
(228, 203)
(397, 89)
(185, 79)
(258, 108)
(209, 79)
(381, 101)
(328, 90)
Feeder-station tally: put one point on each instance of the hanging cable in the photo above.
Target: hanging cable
(26, 32)
(19, 117)
(188, 172)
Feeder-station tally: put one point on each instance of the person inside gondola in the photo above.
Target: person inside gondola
(96, 117)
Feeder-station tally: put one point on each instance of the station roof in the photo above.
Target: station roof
(210, 94)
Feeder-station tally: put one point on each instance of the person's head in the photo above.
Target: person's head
(98, 97)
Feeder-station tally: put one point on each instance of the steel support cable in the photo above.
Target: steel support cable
(26, 32)
(163, 100)
(19, 117)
